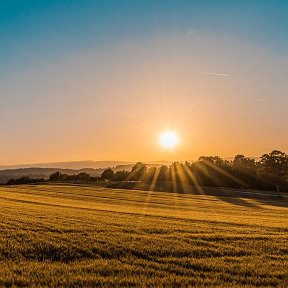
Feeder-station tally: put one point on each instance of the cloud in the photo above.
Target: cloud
(214, 74)
(190, 32)
(259, 99)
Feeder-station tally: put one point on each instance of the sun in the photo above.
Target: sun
(168, 139)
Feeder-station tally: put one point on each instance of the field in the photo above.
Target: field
(85, 236)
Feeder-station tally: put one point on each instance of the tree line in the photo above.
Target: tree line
(270, 172)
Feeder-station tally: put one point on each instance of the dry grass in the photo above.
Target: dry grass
(81, 236)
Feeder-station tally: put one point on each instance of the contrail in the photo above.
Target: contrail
(214, 74)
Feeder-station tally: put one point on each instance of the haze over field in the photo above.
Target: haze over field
(101, 80)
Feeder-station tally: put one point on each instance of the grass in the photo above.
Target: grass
(84, 236)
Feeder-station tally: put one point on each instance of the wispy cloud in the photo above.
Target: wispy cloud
(214, 74)
(260, 99)
(190, 32)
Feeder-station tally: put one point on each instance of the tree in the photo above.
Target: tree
(138, 171)
(121, 175)
(215, 160)
(150, 175)
(177, 172)
(275, 168)
(215, 171)
(245, 169)
(276, 163)
(242, 162)
(164, 173)
(57, 176)
(24, 180)
(107, 174)
(83, 177)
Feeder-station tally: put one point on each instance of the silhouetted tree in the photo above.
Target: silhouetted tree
(215, 171)
(138, 171)
(164, 173)
(275, 168)
(245, 169)
(215, 160)
(24, 180)
(121, 175)
(242, 162)
(57, 176)
(276, 163)
(177, 173)
(107, 174)
(150, 175)
(83, 177)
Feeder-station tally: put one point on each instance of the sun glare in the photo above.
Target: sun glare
(168, 139)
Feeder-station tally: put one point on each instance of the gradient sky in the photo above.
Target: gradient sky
(101, 79)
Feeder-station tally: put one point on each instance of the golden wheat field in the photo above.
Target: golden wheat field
(85, 236)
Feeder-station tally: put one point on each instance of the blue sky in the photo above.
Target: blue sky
(30, 30)
(207, 69)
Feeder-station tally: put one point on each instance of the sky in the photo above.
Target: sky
(100, 80)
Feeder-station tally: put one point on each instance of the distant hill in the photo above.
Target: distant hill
(70, 168)
(70, 165)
